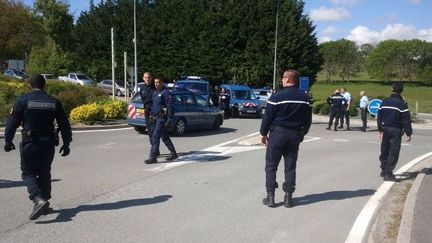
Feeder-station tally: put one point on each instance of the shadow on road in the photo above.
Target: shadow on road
(65, 215)
(199, 156)
(333, 195)
(10, 184)
(200, 132)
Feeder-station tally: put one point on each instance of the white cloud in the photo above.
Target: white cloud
(347, 2)
(329, 14)
(324, 39)
(362, 34)
(330, 30)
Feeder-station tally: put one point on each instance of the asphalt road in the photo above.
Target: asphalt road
(103, 192)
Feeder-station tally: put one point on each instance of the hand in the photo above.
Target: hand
(381, 135)
(64, 150)
(408, 138)
(264, 140)
(9, 146)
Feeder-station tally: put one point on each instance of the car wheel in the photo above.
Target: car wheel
(118, 93)
(140, 130)
(180, 127)
(217, 123)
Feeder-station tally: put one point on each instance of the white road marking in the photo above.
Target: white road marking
(364, 221)
(219, 150)
(102, 130)
(341, 140)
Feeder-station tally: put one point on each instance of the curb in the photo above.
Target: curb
(405, 228)
(100, 127)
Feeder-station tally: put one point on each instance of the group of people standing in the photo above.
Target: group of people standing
(340, 102)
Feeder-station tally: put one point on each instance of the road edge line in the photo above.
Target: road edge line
(363, 223)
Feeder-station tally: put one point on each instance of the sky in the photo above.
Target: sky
(362, 21)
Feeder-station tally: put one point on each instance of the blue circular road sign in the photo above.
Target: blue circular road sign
(373, 106)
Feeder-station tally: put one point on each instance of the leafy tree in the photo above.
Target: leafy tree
(20, 31)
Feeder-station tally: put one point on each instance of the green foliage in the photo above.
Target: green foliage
(114, 109)
(11, 90)
(325, 109)
(71, 99)
(5, 109)
(88, 113)
(317, 105)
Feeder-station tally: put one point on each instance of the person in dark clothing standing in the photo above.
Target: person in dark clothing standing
(224, 101)
(335, 101)
(146, 93)
(36, 113)
(287, 120)
(364, 101)
(161, 118)
(393, 121)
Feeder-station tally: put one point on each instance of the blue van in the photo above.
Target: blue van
(243, 101)
(196, 84)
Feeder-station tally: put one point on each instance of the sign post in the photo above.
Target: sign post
(304, 83)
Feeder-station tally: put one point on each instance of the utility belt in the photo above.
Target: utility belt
(154, 116)
(39, 136)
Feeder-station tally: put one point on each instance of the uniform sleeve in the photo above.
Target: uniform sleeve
(270, 113)
(406, 121)
(14, 121)
(308, 120)
(63, 123)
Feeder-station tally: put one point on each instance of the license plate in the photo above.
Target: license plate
(250, 111)
(140, 113)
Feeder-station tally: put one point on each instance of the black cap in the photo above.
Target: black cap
(398, 87)
(37, 81)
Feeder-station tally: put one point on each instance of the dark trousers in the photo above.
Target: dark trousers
(36, 160)
(149, 127)
(282, 142)
(390, 148)
(344, 114)
(157, 132)
(363, 114)
(334, 115)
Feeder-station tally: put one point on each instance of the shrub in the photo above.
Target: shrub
(114, 109)
(88, 113)
(325, 109)
(5, 109)
(316, 106)
(56, 87)
(71, 99)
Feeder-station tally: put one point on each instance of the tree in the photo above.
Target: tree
(20, 31)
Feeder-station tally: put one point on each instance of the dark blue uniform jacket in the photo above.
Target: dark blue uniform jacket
(336, 100)
(146, 93)
(289, 108)
(36, 112)
(393, 112)
(162, 104)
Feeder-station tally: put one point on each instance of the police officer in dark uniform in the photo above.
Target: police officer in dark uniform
(146, 93)
(287, 120)
(36, 113)
(393, 121)
(224, 101)
(335, 101)
(161, 115)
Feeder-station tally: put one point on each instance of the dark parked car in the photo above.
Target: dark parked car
(191, 111)
(15, 73)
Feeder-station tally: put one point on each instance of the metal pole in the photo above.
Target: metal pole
(125, 77)
(112, 64)
(275, 46)
(135, 48)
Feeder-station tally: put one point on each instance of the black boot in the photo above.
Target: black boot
(151, 160)
(389, 177)
(335, 128)
(269, 200)
(288, 202)
(348, 128)
(172, 156)
(328, 128)
(47, 209)
(39, 206)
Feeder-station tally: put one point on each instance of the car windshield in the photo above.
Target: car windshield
(264, 92)
(136, 98)
(82, 76)
(199, 88)
(243, 94)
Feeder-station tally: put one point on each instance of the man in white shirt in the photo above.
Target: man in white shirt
(364, 101)
(345, 108)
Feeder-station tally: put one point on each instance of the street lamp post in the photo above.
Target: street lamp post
(135, 49)
(275, 46)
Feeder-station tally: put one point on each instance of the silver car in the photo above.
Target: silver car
(119, 89)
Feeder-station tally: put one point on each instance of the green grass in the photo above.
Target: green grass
(412, 93)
